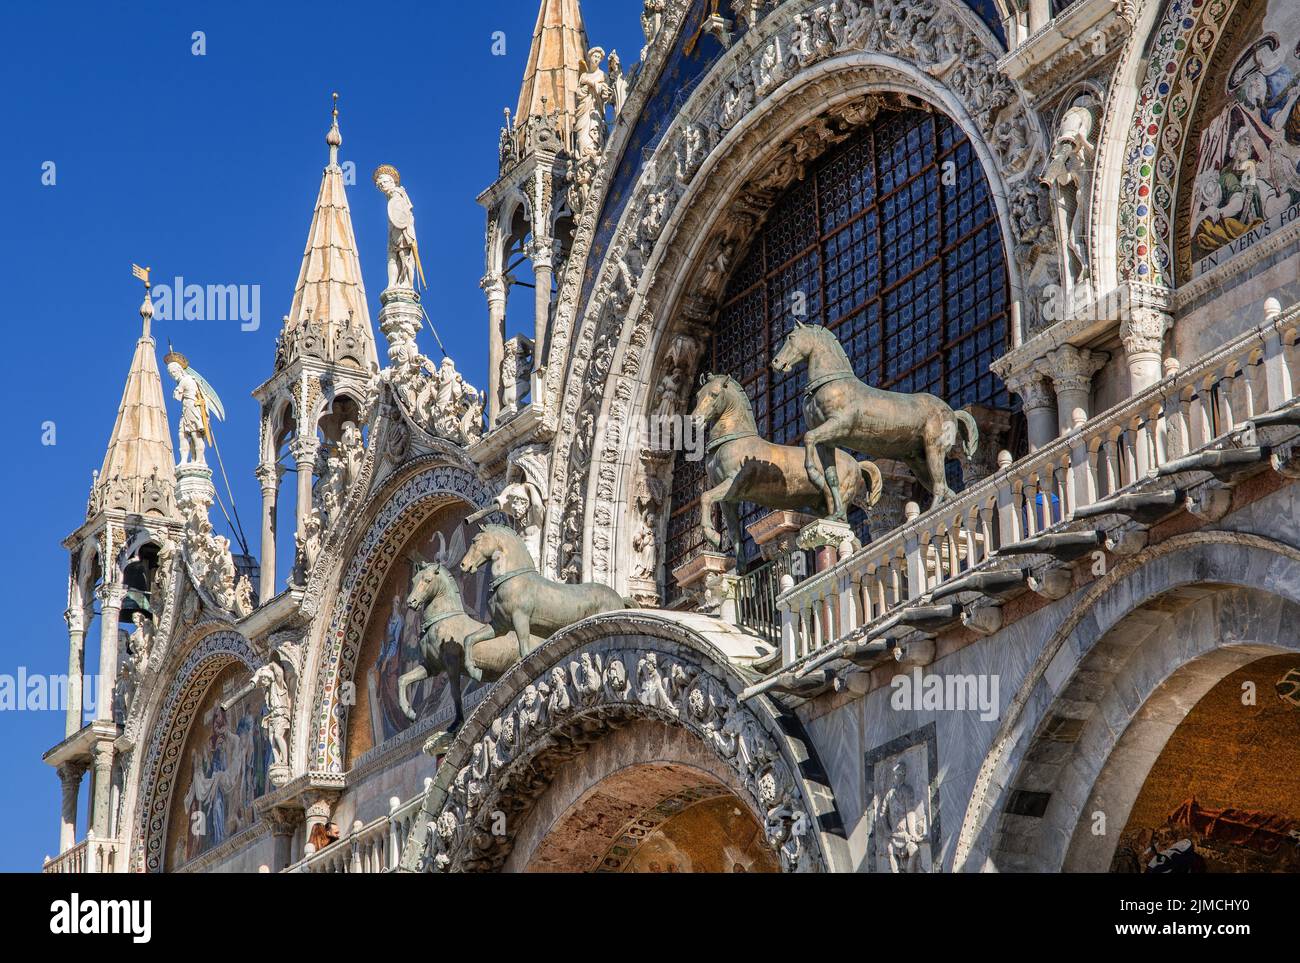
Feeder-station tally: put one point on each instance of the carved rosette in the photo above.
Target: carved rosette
(565, 697)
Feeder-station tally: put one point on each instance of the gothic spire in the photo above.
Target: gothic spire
(330, 295)
(559, 44)
(138, 475)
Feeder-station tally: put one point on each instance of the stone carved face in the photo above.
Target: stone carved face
(386, 183)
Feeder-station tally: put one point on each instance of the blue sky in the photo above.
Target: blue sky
(207, 167)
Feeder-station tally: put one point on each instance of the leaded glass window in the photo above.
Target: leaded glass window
(891, 240)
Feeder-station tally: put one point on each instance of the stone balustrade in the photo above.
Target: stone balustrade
(374, 847)
(91, 855)
(1204, 407)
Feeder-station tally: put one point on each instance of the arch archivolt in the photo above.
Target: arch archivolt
(1175, 48)
(784, 92)
(349, 581)
(1182, 614)
(159, 763)
(583, 684)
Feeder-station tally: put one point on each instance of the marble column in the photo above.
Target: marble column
(1040, 407)
(284, 823)
(70, 774)
(76, 619)
(102, 809)
(1070, 370)
(110, 610)
(543, 273)
(1143, 335)
(304, 457)
(494, 286)
(269, 477)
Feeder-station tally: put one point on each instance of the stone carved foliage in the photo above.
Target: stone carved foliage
(210, 561)
(572, 705)
(941, 37)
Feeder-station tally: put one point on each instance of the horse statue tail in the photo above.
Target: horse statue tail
(967, 422)
(875, 484)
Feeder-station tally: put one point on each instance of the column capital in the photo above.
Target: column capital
(70, 773)
(304, 451)
(494, 286)
(541, 252)
(1071, 368)
(1143, 330)
(1032, 388)
(111, 594)
(103, 752)
(75, 616)
(269, 475)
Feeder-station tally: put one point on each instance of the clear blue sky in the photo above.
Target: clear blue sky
(207, 167)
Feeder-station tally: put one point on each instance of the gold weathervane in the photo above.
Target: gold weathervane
(142, 273)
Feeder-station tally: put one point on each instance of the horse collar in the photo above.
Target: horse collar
(824, 380)
(501, 580)
(429, 623)
(735, 435)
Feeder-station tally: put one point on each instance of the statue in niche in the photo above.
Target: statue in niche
(594, 93)
(900, 823)
(403, 251)
(270, 678)
(1069, 177)
(198, 401)
(652, 21)
(617, 83)
(522, 502)
(353, 451)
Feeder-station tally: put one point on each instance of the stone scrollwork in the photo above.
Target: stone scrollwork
(566, 707)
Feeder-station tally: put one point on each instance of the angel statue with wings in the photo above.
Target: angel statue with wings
(198, 401)
(403, 251)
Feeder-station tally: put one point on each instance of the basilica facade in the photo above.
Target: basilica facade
(545, 627)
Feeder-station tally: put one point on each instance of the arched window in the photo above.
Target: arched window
(891, 240)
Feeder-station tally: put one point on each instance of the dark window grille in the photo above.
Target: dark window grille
(893, 241)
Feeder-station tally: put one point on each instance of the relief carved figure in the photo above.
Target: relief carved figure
(1069, 176)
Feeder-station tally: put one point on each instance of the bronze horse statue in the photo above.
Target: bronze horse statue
(916, 429)
(742, 467)
(522, 598)
(444, 629)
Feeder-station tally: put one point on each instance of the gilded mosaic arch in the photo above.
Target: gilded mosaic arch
(1179, 51)
(204, 662)
(1210, 557)
(570, 693)
(786, 71)
(425, 487)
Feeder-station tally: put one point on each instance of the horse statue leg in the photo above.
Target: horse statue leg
(523, 629)
(731, 515)
(708, 499)
(817, 442)
(467, 647)
(453, 657)
(404, 682)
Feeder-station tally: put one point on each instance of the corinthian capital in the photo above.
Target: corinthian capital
(1143, 331)
(1071, 368)
(494, 286)
(1032, 388)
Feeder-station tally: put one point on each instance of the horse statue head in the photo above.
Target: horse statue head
(719, 394)
(432, 583)
(806, 343)
(499, 545)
